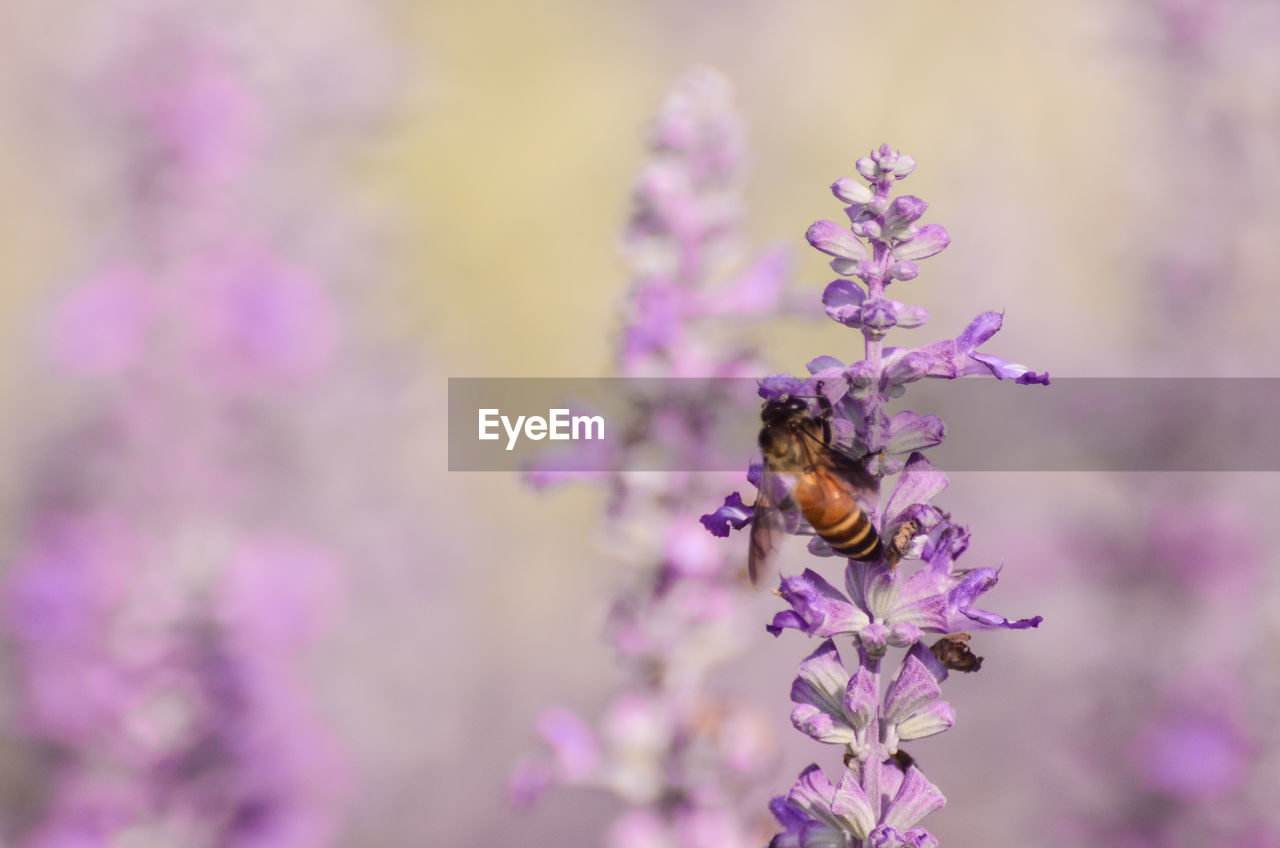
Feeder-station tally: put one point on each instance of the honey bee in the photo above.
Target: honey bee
(798, 444)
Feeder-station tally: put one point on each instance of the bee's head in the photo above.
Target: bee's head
(783, 410)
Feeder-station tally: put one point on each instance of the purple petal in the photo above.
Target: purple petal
(812, 790)
(904, 270)
(788, 815)
(979, 330)
(823, 363)
(818, 724)
(861, 696)
(918, 837)
(733, 514)
(850, 190)
(910, 432)
(912, 316)
(834, 240)
(931, 239)
(906, 366)
(920, 652)
(916, 798)
(851, 804)
(927, 721)
(1003, 369)
(843, 300)
(822, 609)
(573, 742)
(779, 387)
(847, 267)
(919, 482)
(880, 313)
(904, 633)
(885, 836)
(822, 678)
(528, 783)
(911, 689)
(973, 585)
(904, 210)
(785, 619)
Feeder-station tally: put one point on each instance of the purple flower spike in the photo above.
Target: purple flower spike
(909, 587)
(669, 749)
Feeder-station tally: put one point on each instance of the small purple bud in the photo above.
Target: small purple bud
(885, 157)
(874, 637)
(866, 167)
(851, 191)
(879, 314)
(918, 837)
(865, 229)
(931, 239)
(834, 240)
(904, 270)
(904, 210)
(824, 363)
(779, 387)
(843, 300)
(906, 164)
(980, 329)
(846, 267)
(912, 316)
(904, 634)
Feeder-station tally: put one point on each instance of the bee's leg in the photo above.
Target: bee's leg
(826, 413)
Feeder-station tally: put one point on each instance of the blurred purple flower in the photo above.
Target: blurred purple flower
(673, 753)
(172, 572)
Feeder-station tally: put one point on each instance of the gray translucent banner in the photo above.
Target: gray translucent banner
(1182, 424)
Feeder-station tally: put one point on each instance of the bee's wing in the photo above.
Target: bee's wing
(850, 468)
(766, 527)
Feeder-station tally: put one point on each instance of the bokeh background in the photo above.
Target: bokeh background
(245, 247)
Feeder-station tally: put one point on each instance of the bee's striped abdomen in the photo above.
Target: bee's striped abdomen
(834, 515)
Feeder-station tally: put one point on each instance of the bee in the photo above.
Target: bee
(798, 444)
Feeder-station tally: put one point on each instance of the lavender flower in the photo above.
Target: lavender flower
(881, 795)
(676, 754)
(170, 574)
